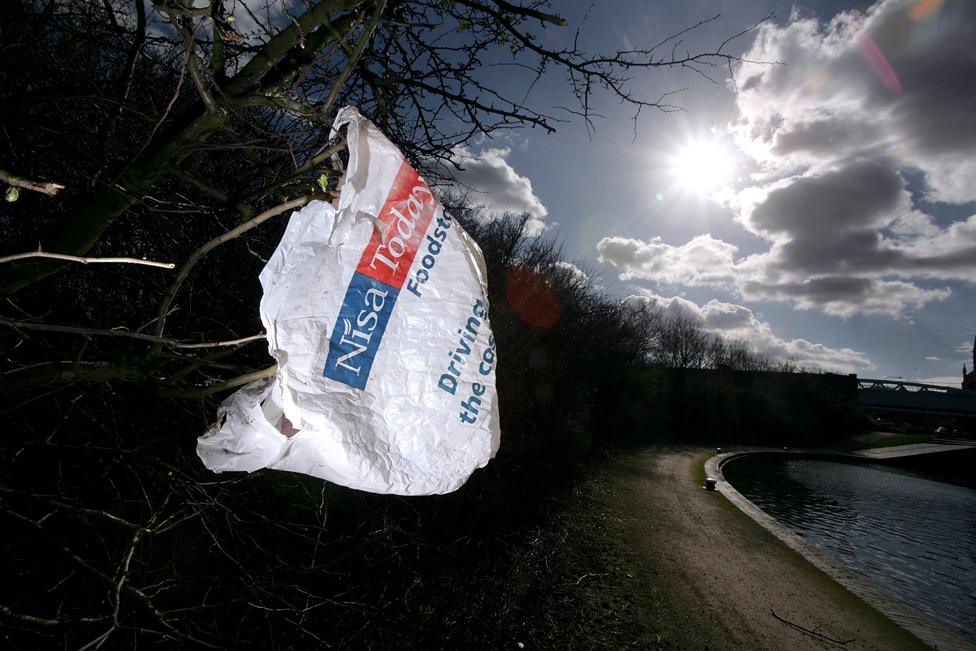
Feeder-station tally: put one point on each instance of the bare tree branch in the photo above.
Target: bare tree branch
(232, 383)
(211, 245)
(125, 334)
(83, 260)
(354, 57)
(44, 187)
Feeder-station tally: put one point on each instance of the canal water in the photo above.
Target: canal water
(909, 533)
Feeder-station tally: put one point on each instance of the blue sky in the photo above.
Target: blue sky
(822, 207)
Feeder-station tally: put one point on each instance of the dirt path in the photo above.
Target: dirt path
(704, 576)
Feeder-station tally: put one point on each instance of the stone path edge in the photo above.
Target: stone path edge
(908, 617)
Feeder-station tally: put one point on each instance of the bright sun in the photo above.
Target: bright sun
(703, 167)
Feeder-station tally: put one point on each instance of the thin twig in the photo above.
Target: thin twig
(74, 258)
(125, 334)
(220, 344)
(312, 163)
(818, 637)
(44, 187)
(240, 380)
(159, 123)
(192, 62)
(30, 619)
(354, 56)
(212, 244)
(104, 515)
(587, 576)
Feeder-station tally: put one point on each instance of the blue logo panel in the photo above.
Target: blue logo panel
(358, 330)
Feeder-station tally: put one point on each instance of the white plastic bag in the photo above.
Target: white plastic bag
(378, 317)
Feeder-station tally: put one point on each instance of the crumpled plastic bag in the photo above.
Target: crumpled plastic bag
(377, 315)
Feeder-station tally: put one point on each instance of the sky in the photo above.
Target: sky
(819, 203)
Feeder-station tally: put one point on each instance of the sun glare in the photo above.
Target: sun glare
(703, 167)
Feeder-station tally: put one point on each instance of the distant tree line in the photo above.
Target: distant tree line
(702, 387)
(682, 341)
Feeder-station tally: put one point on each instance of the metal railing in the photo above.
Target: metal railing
(901, 385)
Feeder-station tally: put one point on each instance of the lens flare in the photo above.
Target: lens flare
(923, 8)
(871, 53)
(531, 298)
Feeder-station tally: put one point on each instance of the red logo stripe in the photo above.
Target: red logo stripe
(409, 207)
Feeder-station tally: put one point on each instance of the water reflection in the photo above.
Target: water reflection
(911, 535)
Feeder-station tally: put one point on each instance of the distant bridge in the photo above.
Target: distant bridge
(914, 396)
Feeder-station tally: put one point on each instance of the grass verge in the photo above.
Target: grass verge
(882, 441)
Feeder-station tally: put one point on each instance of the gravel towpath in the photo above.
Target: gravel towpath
(701, 575)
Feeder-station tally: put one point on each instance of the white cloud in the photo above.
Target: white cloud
(535, 227)
(491, 183)
(933, 358)
(814, 275)
(704, 260)
(944, 380)
(573, 271)
(739, 322)
(672, 306)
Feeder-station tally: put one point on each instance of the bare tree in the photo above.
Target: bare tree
(736, 355)
(683, 343)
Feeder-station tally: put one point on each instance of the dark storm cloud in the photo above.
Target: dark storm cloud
(884, 81)
(825, 136)
(818, 290)
(935, 61)
(850, 252)
(847, 295)
(860, 194)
